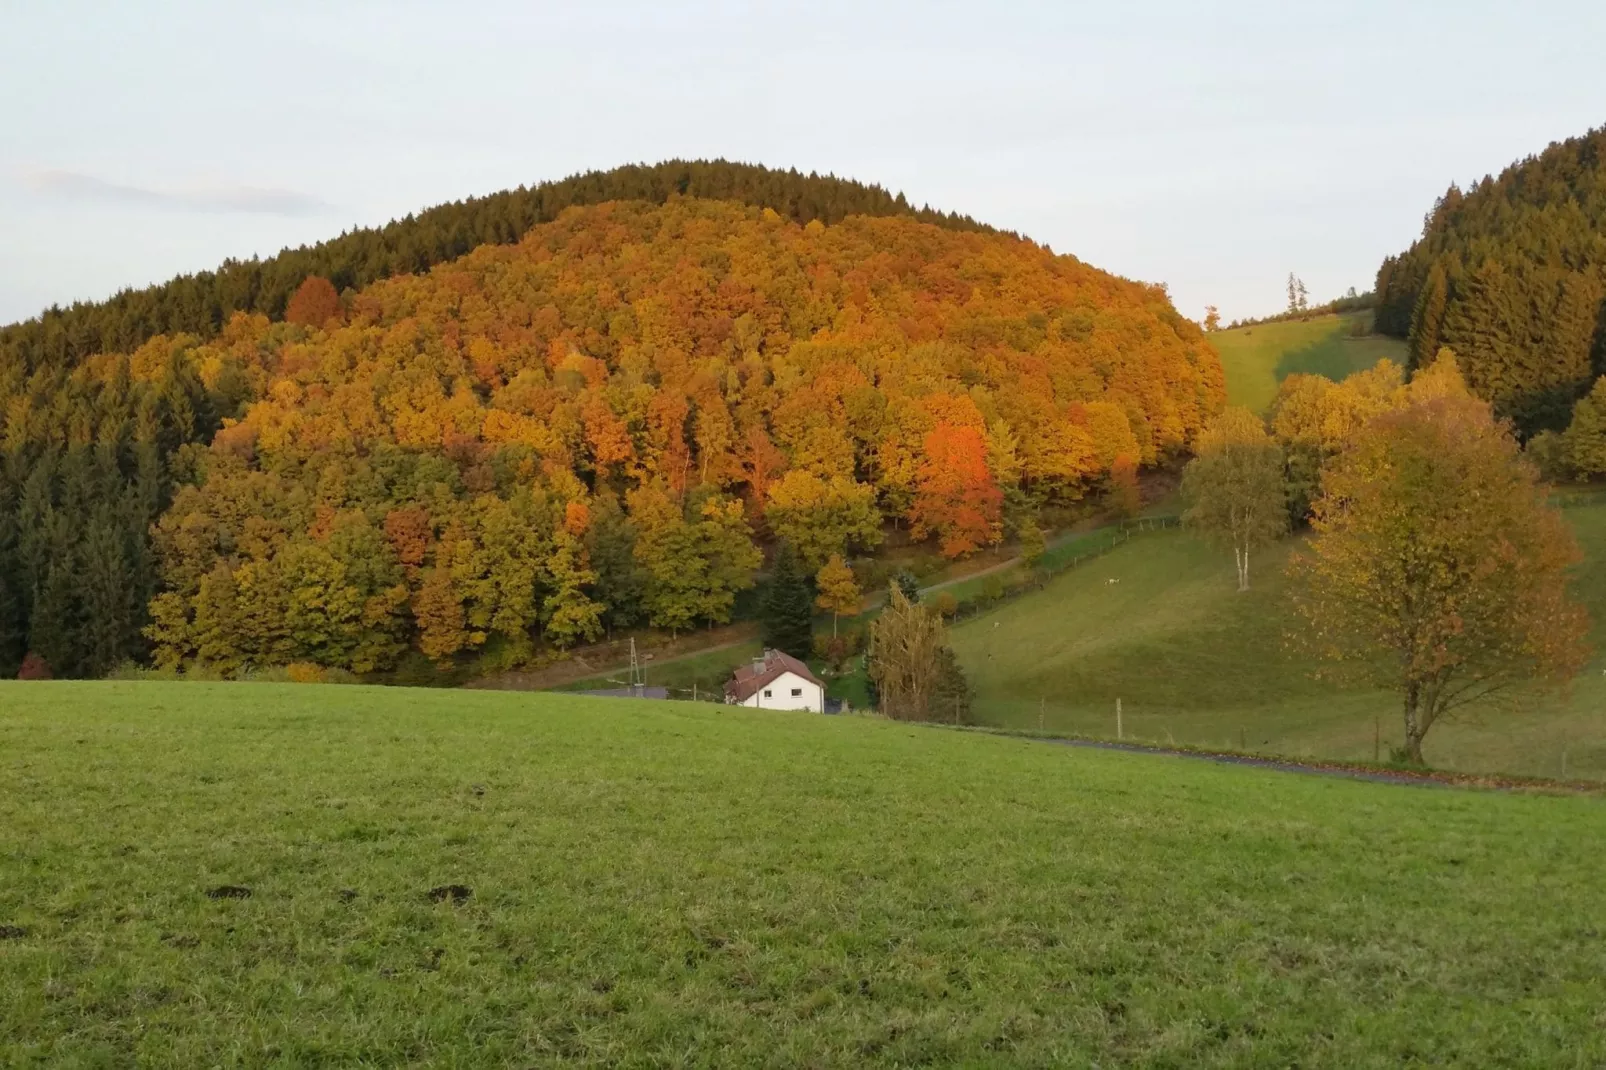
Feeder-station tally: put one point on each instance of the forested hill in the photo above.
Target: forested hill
(201, 304)
(598, 426)
(1511, 274)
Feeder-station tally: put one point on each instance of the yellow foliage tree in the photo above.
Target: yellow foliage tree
(838, 592)
(1438, 567)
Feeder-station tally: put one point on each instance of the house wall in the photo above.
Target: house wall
(781, 697)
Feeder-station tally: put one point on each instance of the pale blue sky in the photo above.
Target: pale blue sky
(1213, 147)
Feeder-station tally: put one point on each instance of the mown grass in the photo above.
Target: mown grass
(1257, 359)
(1193, 661)
(682, 884)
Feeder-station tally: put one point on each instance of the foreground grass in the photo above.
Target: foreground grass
(1257, 359)
(1193, 661)
(677, 884)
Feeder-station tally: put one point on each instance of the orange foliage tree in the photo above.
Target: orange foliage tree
(957, 500)
(314, 303)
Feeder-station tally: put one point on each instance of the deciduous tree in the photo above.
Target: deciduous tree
(314, 303)
(838, 591)
(1438, 568)
(957, 499)
(1234, 486)
(822, 518)
(905, 659)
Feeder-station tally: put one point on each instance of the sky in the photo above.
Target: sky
(1214, 147)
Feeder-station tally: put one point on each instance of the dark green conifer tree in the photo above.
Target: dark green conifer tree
(788, 607)
(54, 624)
(1428, 319)
(909, 584)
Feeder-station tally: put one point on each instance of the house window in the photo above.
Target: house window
(766, 692)
(796, 691)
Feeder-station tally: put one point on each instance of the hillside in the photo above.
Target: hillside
(1256, 359)
(1194, 662)
(651, 884)
(1511, 274)
(580, 432)
(202, 304)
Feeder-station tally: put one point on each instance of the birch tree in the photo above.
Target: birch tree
(1234, 487)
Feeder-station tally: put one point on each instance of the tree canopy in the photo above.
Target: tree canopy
(585, 430)
(1438, 567)
(1511, 275)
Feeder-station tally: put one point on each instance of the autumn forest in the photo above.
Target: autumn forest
(607, 423)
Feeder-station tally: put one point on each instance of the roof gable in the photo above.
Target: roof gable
(749, 679)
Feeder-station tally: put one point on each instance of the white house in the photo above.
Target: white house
(776, 681)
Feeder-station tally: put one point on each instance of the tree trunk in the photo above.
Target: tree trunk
(1414, 730)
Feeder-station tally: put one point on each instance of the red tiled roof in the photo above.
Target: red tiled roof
(750, 678)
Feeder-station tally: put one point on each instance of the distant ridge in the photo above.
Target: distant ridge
(200, 304)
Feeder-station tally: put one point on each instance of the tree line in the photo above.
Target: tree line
(599, 427)
(201, 304)
(1511, 275)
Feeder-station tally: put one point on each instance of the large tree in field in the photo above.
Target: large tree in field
(1438, 569)
(1234, 486)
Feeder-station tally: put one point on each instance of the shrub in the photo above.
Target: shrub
(304, 672)
(945, 603)
(34, 667)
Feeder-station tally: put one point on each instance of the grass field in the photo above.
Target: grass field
(1256, 359)
(1193, 661)
(677, 884)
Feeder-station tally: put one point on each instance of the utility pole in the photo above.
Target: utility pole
(638, 676)
(1120, 733)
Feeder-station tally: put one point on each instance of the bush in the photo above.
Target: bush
(304, 672)
(34, 667)
(945, 603)
(1548, 451)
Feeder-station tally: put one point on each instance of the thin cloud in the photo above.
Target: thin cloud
(217, 198)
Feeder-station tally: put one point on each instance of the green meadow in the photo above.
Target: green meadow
(242, 875)
(1257, 359)
(1158, 624)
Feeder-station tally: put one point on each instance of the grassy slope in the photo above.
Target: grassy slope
(659, 884)
(1256, 359)
(1193, 661)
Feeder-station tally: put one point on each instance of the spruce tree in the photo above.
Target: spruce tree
(1428, 320)
(909, 584)
(112, 606)
(11, 633)
(950, 694)
(53, 628)
(788, 606)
